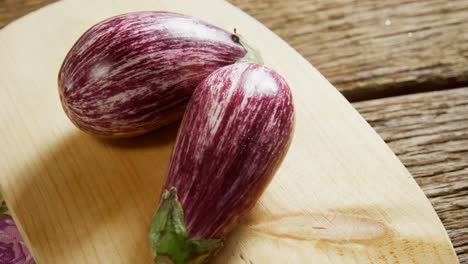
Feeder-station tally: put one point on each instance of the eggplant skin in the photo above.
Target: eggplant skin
(133, 73)
(233, 136)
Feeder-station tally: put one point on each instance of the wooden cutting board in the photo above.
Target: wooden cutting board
(340, 196)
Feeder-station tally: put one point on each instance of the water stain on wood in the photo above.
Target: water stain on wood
(333, 227)
(346, 233)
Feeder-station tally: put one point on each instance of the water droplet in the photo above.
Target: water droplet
(388, 22)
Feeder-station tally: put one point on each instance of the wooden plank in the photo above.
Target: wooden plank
(429, 133)
(371, 49)
(13, 9)
(340, 195)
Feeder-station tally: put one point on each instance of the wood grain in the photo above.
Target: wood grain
(429, 133)
(78, 199)
(370, 49)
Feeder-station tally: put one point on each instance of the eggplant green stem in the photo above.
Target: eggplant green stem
(168, 237)
(252, 55)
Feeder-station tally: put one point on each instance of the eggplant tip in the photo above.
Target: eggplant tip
(168, 237)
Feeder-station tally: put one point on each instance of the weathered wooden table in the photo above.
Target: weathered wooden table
(403, 64)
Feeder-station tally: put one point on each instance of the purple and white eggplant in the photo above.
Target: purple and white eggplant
(232, 138)
(135, 72)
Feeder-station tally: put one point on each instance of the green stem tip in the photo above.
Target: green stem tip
(168, 237)
(252, 55)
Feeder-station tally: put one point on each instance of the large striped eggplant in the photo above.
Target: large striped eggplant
(233, 136)
(135, 72)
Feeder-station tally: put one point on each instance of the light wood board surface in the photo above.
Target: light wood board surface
(341, 195)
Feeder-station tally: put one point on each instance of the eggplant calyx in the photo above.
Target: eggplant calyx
(252, 55)
(168, 237)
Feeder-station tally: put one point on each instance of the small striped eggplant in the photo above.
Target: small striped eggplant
(232, 138)
(135, 72)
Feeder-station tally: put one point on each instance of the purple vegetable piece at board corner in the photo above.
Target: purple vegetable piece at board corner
(13, 250)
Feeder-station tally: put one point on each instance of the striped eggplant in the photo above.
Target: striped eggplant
(232, 138)
(135, 72)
